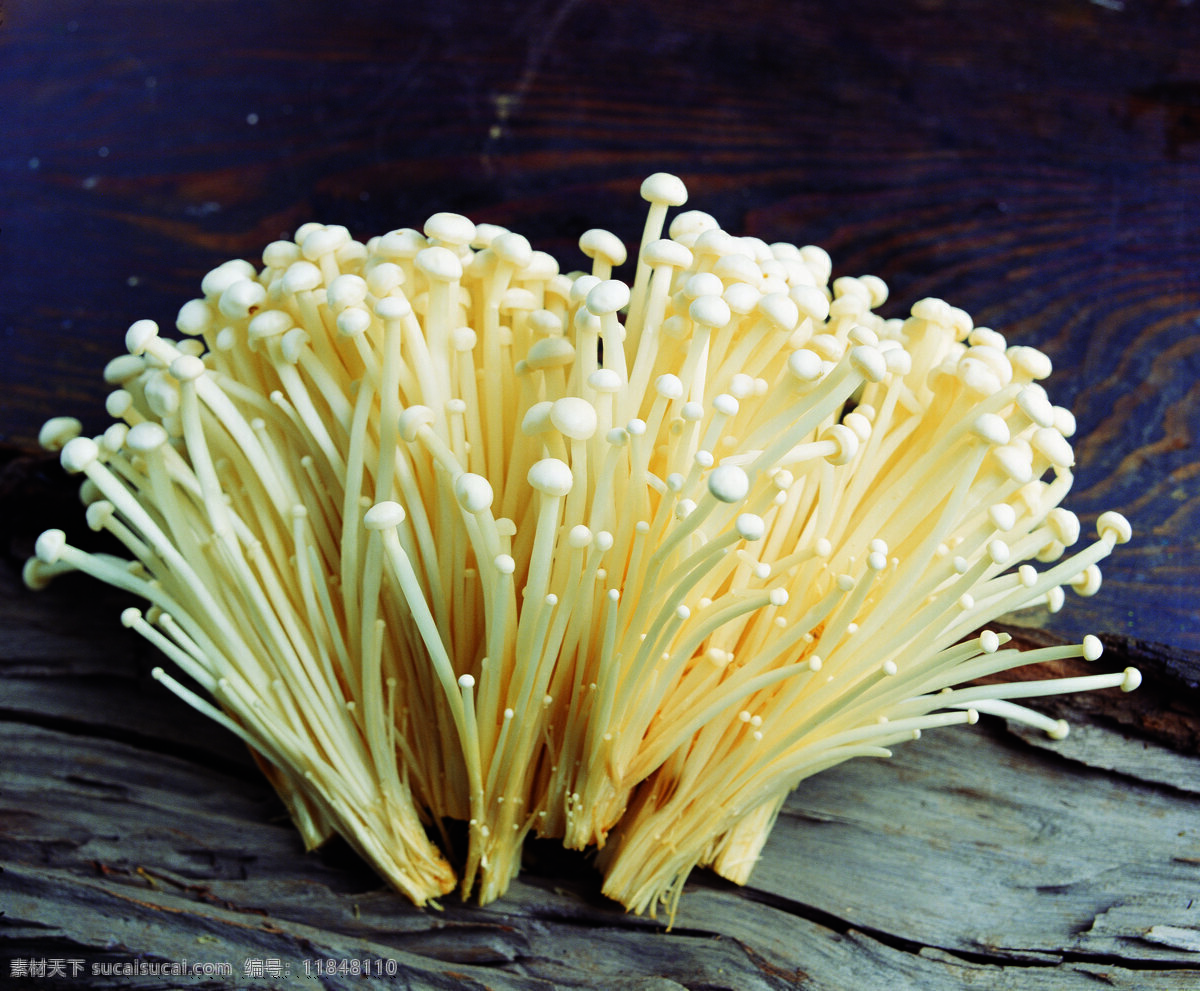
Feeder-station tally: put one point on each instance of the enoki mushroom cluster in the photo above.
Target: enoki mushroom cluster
(444, 533)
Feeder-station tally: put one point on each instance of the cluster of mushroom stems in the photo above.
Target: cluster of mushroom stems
(444, 533)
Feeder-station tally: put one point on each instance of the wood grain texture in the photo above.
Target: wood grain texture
(1039, 168)
(131, 829)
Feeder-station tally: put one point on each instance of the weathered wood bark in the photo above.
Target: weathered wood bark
(1038, 166)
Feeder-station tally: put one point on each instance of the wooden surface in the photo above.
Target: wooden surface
(1037, 165)
(130, 830)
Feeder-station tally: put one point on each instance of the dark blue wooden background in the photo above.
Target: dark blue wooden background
(1036, 162)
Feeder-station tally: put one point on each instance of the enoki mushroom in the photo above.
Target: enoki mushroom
(446, 534)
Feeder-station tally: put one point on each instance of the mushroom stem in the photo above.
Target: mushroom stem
(443, 533)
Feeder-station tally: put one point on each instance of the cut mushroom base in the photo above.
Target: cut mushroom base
(445, 533)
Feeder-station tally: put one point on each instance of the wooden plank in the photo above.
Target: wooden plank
(1028, 853)
(556, 931)
(132, 829)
